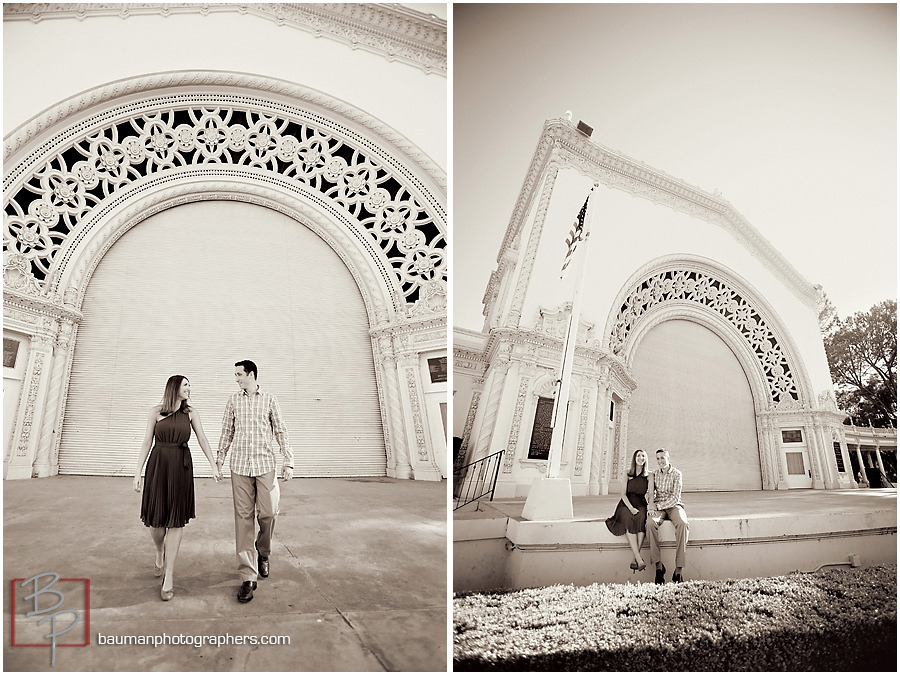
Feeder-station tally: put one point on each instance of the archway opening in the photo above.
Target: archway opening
(693, 398)
(192, 290)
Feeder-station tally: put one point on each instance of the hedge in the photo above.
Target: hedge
(832, 620)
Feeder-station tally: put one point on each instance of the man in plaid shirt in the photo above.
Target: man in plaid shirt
(252, 420)
(665, 504)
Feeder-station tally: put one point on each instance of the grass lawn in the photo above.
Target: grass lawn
(832, 620)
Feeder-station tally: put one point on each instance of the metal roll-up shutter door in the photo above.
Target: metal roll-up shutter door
(693, 398)
(194, 289)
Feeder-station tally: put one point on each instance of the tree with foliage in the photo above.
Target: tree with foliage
(828, 316)
(862, 356)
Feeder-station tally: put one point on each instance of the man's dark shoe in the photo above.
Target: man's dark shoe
(660, 574)
(246, 592)
(677, 578)
(262, 564)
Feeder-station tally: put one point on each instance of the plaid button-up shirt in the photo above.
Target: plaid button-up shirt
(250, 424)
(667, 486)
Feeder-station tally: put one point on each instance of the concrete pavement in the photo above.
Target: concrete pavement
(358, 579)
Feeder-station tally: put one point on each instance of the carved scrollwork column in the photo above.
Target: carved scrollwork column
(26, 437)
(828, 465)
(416, 458)
(46, 461)
(583, 420)
(516, 426)
(620, 446)
(767, 461)
(398, 465)
(814, 450)
(597, 438)
(381, 349)
(421, 455)
(461, 459)
(777, 456)
(597, 481)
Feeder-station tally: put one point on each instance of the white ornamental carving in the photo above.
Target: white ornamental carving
(395, 32)
(716, 295)
(44, 213)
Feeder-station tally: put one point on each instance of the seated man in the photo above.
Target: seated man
(665, 504)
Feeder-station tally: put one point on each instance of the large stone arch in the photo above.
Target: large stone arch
(704, 292)
(83, 173)
(698, 289)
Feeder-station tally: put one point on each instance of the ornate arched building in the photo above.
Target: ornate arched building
(178, 220)
(696, 335)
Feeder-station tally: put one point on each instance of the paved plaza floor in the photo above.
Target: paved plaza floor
(358, 577)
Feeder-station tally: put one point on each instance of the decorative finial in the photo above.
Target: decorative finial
(568, 115)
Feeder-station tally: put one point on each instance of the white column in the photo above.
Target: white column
(828, 472)
(878, 455)
(26, 437)
(862, 466)
(421, 455)
(465, 446)
(398, 465)
(598, 433)
(47, 459)
(489, 406)
(767, 469)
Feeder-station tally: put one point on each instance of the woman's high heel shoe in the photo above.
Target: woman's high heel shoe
(164, 594)
(634, 565)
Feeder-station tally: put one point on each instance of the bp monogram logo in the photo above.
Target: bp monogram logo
(46, 608)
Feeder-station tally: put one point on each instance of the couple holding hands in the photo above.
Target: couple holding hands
(633, 519)
(251, 422)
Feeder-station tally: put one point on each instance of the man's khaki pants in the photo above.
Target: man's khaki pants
(682, 529)
(254, 496)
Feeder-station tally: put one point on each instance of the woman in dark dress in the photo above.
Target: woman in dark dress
(630, 517)
(168, 500)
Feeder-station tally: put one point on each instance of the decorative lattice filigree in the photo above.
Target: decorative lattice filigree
(716, 295)
(47, 209)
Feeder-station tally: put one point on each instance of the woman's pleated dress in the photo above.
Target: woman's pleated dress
(622, 521)
(168, 499)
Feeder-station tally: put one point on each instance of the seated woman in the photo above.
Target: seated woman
(630, 517)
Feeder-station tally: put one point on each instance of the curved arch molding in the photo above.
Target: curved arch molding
(71, 161)
(684, 282)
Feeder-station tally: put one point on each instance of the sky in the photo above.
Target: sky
(788, 110)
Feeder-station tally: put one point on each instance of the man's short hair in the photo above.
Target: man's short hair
(662, 450)
(249, 367)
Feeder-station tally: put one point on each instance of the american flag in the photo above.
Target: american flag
(576, 234)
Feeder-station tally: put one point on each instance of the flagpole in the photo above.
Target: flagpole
(561, 404)
(550, 497)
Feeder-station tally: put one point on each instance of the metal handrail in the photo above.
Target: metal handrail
(476, 480)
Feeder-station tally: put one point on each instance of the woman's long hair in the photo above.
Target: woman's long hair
(633, 472)
(170, 397)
